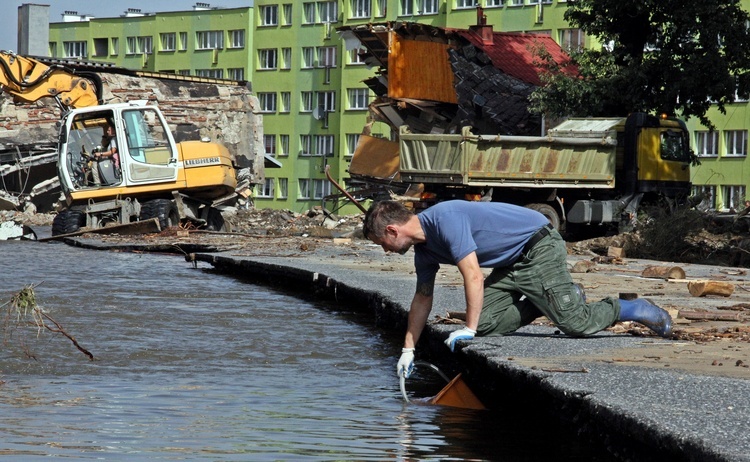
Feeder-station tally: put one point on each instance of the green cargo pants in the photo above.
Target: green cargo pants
(542, 277)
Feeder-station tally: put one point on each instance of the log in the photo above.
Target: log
(663, 272)
(703, 288)
(711, 316)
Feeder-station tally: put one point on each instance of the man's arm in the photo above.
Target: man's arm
(421, 305)
(473, 288)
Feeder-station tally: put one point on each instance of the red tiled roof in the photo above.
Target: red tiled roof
(513, 53)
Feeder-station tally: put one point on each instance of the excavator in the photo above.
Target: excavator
(146, 174)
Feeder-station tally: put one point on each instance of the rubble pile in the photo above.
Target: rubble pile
(315, 222)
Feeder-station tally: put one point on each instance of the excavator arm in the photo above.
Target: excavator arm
(30, 80)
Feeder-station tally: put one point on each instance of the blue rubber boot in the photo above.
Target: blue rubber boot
(642, 311)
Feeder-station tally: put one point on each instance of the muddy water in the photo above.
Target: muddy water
(194, 365)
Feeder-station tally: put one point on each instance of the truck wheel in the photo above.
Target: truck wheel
(215, 221)
(163, 209)
(67, 221)
(549, 212)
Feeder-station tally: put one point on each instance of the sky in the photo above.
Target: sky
(98, 8)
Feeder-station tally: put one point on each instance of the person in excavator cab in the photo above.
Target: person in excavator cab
(106, 173)
(529, 275)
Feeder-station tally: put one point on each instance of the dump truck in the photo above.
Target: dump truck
(152, 175)
(586, 171)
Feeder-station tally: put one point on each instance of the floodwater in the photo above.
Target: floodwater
(189, 364)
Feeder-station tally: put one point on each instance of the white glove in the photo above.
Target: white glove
(406, 363)
(461, 334)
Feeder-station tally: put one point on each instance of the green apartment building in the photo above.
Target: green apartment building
(310, 87)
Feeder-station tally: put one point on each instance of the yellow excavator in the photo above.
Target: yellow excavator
(119, 163)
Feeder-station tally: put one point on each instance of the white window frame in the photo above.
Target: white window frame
(267, 100)
(327, 56)
(286, 58)
(283, 188)
(354, 57)
(735, 142)
(406, 7)
(493, 3)
(287, 12)
(516, 3)
(284, 145)
(236, 73)
(210, 73)
(706, 143)
(352, 139)
(308, 57)
(183, 41)
(308, 13)
(269, 142)
(326, 100)
(115, 43)
(328, 12)
(321, 188)
(571, 39)
(269, 15)
(324, 145)
(168, 41)
(358, 99)
(236, 39)
(465, 4)
(361, 8)
(209, 40)
(427, 7)
(733, 197)
(382, 8)
(265, 190)
(285, 102)
(303, 188)
(267, 59)
(307, 101)
(709, 203)
(75, 49)
(305, 145)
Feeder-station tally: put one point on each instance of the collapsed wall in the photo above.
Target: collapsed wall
(226, 112)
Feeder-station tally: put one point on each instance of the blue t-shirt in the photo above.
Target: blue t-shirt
(454, 229)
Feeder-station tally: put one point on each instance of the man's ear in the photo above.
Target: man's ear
(391, 230)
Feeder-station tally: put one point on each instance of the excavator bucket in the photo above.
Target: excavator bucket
(457, 394)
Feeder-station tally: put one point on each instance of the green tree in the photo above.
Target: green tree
(658, 56)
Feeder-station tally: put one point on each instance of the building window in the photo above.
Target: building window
(308, 13)
(361, 8)
(516, 2)
(305, 145)
(267, 58)
(75, 49)
(286, 102)
(321, 189)
(283, 188)
(706, 143)
(382, 8)
(733, 197)
(267, 101)
(323, 145)
(351, 143)
(145, 45)
(407, 7)
(358, 98)
(493, 3)
(270, 142)
(283, 145)
(328, 12)
(286, 58)
(210, 73)
(326, 56)
(572, 39)
(209, 40)
(303, 185)
(306, 101)
(183, 41)
(237, 38)
(236, 73)
(708, 195)
(265, 190)
(356, 56)
(100, 46)
(308, 57)
(466, 3)
(269, 15)
(114, 43)
(427, 6)
(736, 142)
(327, 101)
(184, 72)
(287, 12)
(53, 49)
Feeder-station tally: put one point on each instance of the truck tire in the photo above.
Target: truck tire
(549, 212)
(163, 209)
(67, 221)
(215, 221)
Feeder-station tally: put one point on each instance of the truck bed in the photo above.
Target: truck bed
(586, 161)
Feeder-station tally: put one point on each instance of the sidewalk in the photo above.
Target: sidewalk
(670, 399)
